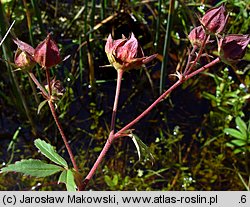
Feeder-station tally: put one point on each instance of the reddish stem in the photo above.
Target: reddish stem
(120, 133)
(215, 61)
(44, 92)
(48, 81)
(111, 134)
(176, 84)
(52, 108)
(53, 111)
(144, 113)
(117, 93)
(190, 58)
(198, 56)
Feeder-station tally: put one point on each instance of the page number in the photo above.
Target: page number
(243, 199)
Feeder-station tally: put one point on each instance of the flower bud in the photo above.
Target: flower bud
(57, 89)
(24, 47)
(23, 60)
(197, 36)
(126, 54)
(215, 19)
(47, 53)
(232, 48)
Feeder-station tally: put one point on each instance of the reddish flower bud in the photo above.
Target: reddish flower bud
(232, 48)
(23, 60)
(24, 55)
(215, 19)
(47, 53)
(24, 47)
(126, 54)
(197, 36)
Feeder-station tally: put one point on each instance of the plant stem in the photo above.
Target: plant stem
(187, 71)
(111, 134)
(48, 80)
(33, 89)
(189, 59)
(144, 113)
(176, 84)
(212, 63)
(44, 92)
(117, 93)
(120, 133)
(52, 108)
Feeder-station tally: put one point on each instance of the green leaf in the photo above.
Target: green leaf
(108, 181)
(209, 96)
(41, 105)
(115, 179)
(142, 149)
(239, 142)
(49, 151)
(33, 167)
(228, 144)
(241, 125)
(238, 150)
(67, 177)
(234, 133)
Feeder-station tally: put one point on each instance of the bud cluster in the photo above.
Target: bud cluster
(231, 47)
(45, 54)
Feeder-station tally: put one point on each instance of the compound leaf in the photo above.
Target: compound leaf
(33, 167)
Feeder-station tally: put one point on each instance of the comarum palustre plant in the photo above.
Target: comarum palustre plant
(123, 54)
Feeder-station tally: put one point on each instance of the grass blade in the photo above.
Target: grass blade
(166, 46)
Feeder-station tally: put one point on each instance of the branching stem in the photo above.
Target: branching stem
(122, 132)
(112, 128)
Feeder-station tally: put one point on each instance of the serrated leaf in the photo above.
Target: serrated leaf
(50, 152)
(241, 125)
(142, 149)
(33, 167)
(41, 105)
(67, 177)
(234, 133)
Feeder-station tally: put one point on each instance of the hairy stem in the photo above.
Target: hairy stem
(144, 113)
(34, 79)
(189, 59)
(52, 108)
(187, 71)
(48, 80)
(121, 132)
(166, 93)
(117, 93)
(111, 134)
